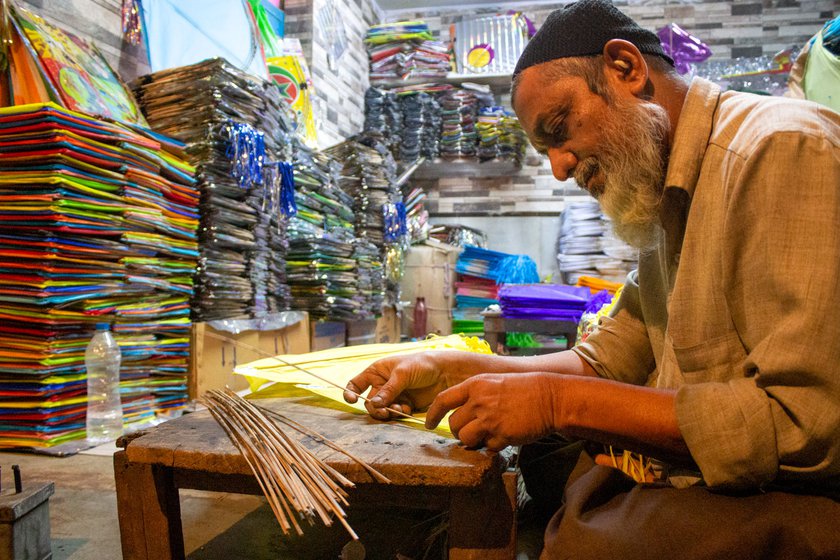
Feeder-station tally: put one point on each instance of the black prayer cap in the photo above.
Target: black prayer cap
(582, 29)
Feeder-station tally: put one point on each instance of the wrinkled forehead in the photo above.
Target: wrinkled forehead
(528, 93)
(536, 94)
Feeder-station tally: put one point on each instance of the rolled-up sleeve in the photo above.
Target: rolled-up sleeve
(620, 349)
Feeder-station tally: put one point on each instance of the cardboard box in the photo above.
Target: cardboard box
(430, 274)
(293, 339)
(324, 335)
(388, 325)
(212, 359)
(362, 331)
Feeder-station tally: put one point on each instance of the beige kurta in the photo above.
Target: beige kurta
(739, 307)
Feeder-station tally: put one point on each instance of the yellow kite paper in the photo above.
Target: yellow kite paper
(334, 368)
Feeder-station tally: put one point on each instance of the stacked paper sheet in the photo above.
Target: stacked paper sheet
(543, 301)
(234, 127)
(97, 222)
(588, 247)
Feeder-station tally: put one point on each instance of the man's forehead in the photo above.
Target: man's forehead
(537, 96)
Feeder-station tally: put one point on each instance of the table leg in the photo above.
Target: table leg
(149, 511)
(482, 522)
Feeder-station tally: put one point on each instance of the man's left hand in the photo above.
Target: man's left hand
(497, 410)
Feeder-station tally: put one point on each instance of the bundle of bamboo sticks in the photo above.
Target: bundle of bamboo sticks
(297, 485)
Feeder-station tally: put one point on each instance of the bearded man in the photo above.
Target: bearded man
(721, 359)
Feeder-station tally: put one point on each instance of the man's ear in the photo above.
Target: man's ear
(626, 65)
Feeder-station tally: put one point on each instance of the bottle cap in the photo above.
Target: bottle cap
(103, 326)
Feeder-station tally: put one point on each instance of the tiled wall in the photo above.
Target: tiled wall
(339, 101)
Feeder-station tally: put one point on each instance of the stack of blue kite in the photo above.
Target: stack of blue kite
(480, 273)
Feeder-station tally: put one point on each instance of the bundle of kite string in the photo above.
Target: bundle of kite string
(295, 482)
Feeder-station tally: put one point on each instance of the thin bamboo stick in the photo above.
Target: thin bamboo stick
(295, 482)
(329, 443)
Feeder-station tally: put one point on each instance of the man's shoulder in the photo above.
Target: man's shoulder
(745, 121)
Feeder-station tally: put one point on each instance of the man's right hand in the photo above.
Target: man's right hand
(405, 383)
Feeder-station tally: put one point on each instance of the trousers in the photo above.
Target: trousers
(605, 514)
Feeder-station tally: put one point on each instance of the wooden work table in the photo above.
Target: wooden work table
(427, 471)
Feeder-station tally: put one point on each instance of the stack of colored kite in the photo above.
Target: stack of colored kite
(368, 175)
(458, 136)
(480, 274)
(370, 276)
(97, 222)
(320, 268)
(421, 125)
(405, 50)
(383, 117)
(500, 136)
(233, 127)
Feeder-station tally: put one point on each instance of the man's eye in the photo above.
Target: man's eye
(558, 136)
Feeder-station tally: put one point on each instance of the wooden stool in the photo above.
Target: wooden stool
(427, 471)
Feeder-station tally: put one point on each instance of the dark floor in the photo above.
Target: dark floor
(84, 526)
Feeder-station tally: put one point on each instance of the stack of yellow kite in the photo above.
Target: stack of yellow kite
(332, 369)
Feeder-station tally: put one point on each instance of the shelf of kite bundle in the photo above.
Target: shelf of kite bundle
(496, 82)
(465, 167)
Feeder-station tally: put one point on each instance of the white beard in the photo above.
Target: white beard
(632, 164)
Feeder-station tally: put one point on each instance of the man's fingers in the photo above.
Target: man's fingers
(351, 392)
(472, 435)
(446, 400)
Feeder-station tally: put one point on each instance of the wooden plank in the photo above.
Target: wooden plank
(482, 521)
(149, 511)
(129, 509)
(408, 456)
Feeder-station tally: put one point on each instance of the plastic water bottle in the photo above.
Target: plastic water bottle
(104, 409)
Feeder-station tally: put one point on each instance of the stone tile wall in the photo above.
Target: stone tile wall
(339, 99)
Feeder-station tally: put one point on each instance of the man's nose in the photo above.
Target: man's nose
(562, 162)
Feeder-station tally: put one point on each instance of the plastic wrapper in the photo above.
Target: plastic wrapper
(544, 301)
(683, 47)
(236, 130)
(458, 235)
(490, 44)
